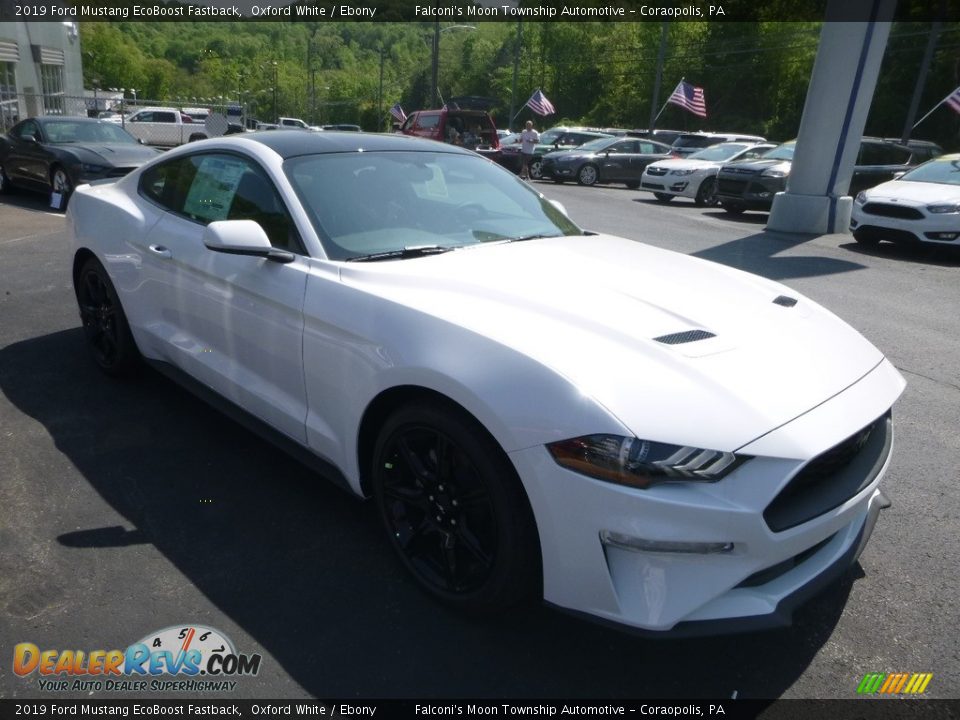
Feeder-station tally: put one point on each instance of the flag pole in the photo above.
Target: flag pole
(671, 95)
(932, 109)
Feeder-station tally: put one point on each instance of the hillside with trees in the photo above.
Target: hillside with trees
(754, 75)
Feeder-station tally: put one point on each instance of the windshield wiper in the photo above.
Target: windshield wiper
(407, 252)
(532, 236)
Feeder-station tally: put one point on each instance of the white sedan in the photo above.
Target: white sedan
(921, 206)
(537, 411)
(695, 176)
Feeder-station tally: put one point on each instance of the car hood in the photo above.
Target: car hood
(680, 164)
(114, 154)
(757, 165)
(592, 307)
(915, 193)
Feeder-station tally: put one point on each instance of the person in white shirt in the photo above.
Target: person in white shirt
(529, 139)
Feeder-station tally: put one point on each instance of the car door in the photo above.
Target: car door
(615, 160)
(233, 322)
(26, 163)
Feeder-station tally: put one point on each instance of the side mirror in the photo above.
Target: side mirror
(242, 237)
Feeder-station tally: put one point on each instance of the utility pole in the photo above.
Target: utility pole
(380, 93)
(516, 72)
(435, 69)
(659, 76)
(921, 78)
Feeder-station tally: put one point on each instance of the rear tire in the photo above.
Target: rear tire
(104, 321)
(454, 509)
(633, 184)
(733, 208)
(663, 197)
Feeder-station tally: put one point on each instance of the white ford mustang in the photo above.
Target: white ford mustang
(629, 433)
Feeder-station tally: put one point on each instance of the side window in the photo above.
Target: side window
(142, 117)
(166, 183)
(166, 117)
(428, 122)
(29, 129)
(408, 123)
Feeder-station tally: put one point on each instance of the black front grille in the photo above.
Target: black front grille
(731, 187)
(833, 477)
(684, 337)
(893, 211)
(656, 171)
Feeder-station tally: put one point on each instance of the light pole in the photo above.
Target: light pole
(276, 115)
(435, 65)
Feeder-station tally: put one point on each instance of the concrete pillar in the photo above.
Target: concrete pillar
(834, 115)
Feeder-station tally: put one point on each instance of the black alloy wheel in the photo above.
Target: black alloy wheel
(454, 509)
(104, 322)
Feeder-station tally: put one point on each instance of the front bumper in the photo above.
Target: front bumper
(941, 230)
(756, 584)
(751, 191)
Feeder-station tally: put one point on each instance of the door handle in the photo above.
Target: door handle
(161, 251)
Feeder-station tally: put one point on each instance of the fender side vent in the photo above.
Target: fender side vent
(684, 337)
(785, 301)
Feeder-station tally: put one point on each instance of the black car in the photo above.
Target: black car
(752, 184)
(55, 154)
(556, 138)
(612, 159)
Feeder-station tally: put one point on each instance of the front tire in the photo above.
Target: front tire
(454, 509)
(588, 175)
(867, 239)
(60, 183)
(536, 169)
(5, 186)
(733, 208)
(707, 193)
(632, 184)
(104, 322)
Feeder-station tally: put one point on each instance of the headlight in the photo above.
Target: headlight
(774, 173)
(642, 463)
(946, 208)
(682, 172)
(861, 197)
(88, 169)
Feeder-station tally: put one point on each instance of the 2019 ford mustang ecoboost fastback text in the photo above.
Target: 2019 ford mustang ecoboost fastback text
(537, 410)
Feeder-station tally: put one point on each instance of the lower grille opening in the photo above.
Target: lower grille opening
(762, 577)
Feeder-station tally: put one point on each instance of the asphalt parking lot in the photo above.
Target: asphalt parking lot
(127, 507)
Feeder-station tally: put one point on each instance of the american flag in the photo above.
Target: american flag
(539, 104)
(953, 100)
(690, 98)
(398, 113)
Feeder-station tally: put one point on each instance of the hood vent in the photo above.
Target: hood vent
(785, 301)
(684, 337)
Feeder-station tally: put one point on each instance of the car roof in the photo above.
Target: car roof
(292, 143)
(42, 119)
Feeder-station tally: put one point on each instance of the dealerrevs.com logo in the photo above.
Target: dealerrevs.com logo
(180, 658)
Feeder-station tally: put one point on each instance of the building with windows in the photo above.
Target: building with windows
(41, 71)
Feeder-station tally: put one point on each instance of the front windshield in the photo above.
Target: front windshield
(363, 203)
(719, 153)
(946, 172)
(781, 152)
(64, 131)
